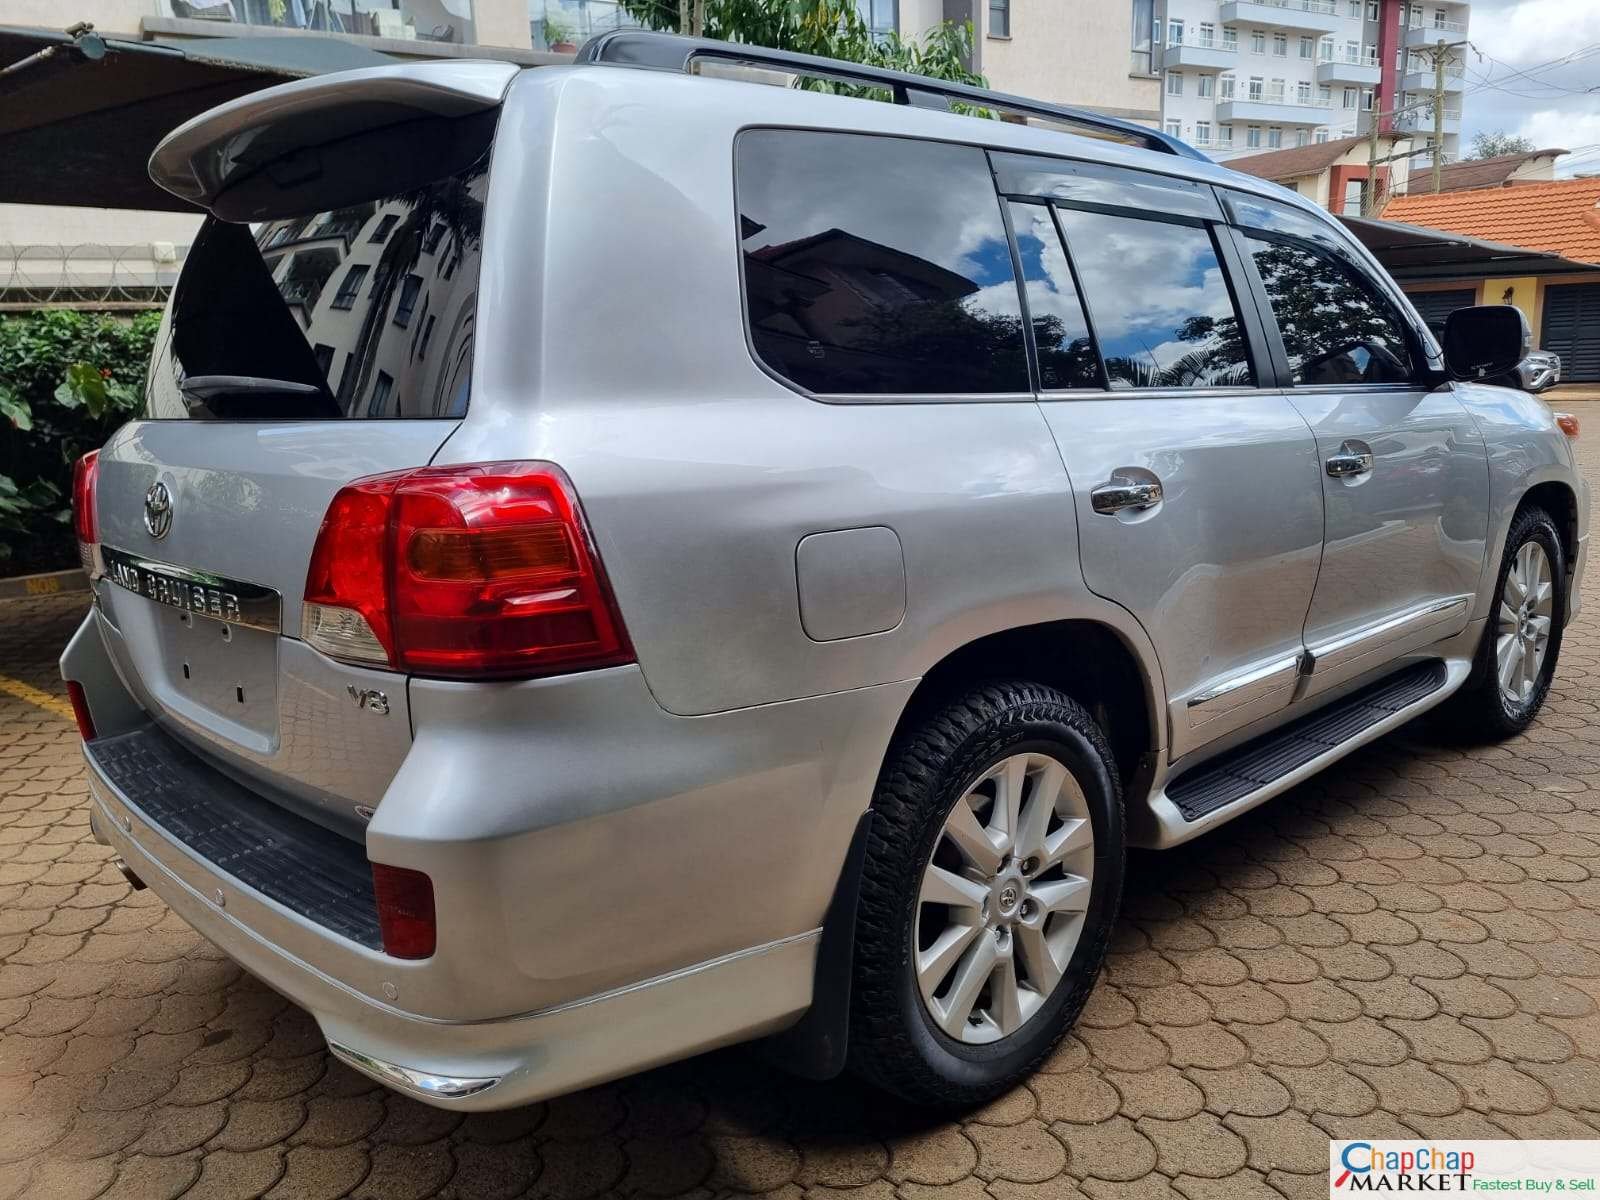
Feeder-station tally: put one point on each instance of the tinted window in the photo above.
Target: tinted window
(877, 265)
(1162, 310)
(1066, 353)
(1335, 327)
(322, 303)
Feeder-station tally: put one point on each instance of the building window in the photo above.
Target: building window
(1208, 34)
(1174, 33)
(1143, 25)
(1350, 98)
(1202, 132)
(1207, 85)
(1440, 18)
(560, 25)
(1325, 49)
(1355, 10)
(1308, 46)
(1252, 136)
(1372, 10)
(408, 300)
(427, 332)
(1000, 18)
(1352, 196)
(381, 388)
(1230, 38)
(1322, 136)
(1225, 132)
(1366, 99)
(1256, 88)
(1274, 137)
(882, 16)
(324, 357)
(1258, 42)
(1301, 137)
(349, 287)
(387, 223)
(1302, 92)
(1325, 95)
(1280, 45)
(1275, 92)
(1225, 87)
(436, 233)
(1174, 83)
(1175, 128)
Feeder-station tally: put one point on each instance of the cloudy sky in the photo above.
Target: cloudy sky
(1539, 61)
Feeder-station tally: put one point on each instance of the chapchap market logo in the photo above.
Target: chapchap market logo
(1392, 1167)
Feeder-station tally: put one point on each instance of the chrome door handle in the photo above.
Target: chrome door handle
(1353, 458)
(1125, 491)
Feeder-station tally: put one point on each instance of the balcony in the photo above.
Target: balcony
(1344, 67)
(1207, 53)
(407, 20)
(1420, 121)
(1430, 32)
(1309, 16)
(1269, 109)
(1420, 79)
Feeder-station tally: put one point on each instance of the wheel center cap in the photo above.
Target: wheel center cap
(1008, 897)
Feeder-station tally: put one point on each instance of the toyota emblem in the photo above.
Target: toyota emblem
(158, 510)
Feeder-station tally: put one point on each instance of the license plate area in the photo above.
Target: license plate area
(205, 646)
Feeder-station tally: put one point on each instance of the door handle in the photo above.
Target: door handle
(1353, 458)
(1127, 489)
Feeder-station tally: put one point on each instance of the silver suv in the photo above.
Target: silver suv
(627, 558)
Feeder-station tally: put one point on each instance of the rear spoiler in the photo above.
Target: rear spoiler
(331, 140)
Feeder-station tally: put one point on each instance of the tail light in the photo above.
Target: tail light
(1568, 424)
(85, 478)
(472, 572)
(405, 911)
(80, 710)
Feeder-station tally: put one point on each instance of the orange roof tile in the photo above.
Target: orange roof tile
(1559, 216)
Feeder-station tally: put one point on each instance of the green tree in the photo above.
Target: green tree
(1491, 143)
(829, 28)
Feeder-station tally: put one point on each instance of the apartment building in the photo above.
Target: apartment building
(1247, 76)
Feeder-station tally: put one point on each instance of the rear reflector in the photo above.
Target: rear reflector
(473, 572)
(80, 710)
(85, 479)
(405, 911)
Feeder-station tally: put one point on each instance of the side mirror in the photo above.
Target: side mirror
(1485, 341)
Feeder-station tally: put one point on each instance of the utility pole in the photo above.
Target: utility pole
(1440, 53)
(1369, 195)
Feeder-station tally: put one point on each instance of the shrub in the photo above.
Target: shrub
(67, 380)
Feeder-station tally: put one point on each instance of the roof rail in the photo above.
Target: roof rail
(673, 52)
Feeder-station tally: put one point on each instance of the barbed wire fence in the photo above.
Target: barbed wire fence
(87, 275)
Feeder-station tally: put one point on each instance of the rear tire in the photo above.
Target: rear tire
(1507, 687)
(1045, 916)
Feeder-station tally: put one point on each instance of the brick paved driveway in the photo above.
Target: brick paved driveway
(1409, 947)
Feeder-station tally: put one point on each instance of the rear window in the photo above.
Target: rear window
(365, 311)
(877, 265)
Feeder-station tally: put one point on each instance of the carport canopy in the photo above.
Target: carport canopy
(80, 115)
(1412, 252)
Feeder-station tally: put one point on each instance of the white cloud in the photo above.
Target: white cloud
(1577, 131)
(1535, 31)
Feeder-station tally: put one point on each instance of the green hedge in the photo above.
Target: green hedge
(67, 380)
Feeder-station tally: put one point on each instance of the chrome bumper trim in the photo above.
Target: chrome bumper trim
(415, 1083)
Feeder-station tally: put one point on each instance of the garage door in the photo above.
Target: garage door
(1572, 329)
(1434, 307)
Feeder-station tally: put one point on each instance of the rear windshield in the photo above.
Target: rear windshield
(361, 311)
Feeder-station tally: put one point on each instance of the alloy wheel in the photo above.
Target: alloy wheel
(1003, 898)
(1522, 632)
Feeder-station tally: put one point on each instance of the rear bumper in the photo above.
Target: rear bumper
(616, 886)
(466, 1065)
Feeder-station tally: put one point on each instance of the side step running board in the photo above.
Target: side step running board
(1262, 768)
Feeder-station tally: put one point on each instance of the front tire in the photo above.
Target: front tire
(990, 888)
(1517, 658)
